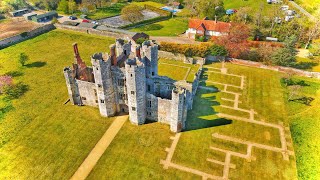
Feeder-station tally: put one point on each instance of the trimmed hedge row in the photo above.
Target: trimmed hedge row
(201, 50)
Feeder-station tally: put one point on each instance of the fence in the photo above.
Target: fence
(25, 35)
(276, 68)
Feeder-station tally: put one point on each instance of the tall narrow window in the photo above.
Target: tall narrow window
(132, 92)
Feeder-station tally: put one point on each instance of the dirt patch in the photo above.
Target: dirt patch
(15, 26)
(267, 135)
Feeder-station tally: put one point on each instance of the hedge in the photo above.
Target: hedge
(189, 50)
(157, 10)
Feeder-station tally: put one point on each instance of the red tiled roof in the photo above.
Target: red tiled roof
(209, 25)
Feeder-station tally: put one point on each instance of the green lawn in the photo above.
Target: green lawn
(177, 70)
(171, 27)
(105, 12)
(43, 139)
(305, 125)
(253, 4)
(312, 6)
(40, 137)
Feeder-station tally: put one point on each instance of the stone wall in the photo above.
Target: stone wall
(88, 93)
(275, 68)
(90, 31)
(25, 35)
(181, 57)
(157, 109)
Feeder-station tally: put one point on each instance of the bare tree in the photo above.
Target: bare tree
(313, 32)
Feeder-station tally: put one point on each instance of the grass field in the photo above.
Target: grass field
(40, 138)
(253, 4)
(147, 144)
(312, 6)
(177, 70)
(43, 139)
(309, 64)
(113, 10)
(171, 27)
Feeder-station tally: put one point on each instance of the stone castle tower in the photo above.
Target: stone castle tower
(127, 81)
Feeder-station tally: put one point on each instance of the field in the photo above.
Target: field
(177, 70)
(312, 6)
(11, 27)
(101, 13)
(40, 138)
(238, 128)
(308, 64)
(253, 4)
(171, 27)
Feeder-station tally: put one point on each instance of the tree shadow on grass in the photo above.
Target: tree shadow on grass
(152, 27)
(305, 65)
(36, 64)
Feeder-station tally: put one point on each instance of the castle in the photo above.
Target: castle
(127, 81)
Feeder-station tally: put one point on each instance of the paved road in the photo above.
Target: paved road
(92, 159)
(306, 13)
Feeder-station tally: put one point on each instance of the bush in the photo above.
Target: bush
(201, 50)
(24, 34)
(200, 38)
(217, 50)
(16, 90)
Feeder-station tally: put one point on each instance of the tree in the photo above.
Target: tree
(209, 8)
(132, 13)
(236, 41)
(217, 50)
(313, 32)
(63, 6)
(72, 6)
(283, 57)
(23, 58)
(315, 48)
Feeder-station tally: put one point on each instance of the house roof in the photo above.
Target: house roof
(51, 13)
(20, 10)
(209, 25)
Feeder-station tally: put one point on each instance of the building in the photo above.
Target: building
(208, 28)
(45, 17)
(20, 12)
(127, 81)
(29, 16)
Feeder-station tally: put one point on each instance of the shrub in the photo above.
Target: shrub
(24, 34)
(5, 80)
(217, 50)
(16, 90)
(201, 50)
(200, 38)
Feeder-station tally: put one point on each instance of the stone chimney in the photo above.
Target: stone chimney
(138, 53)
(113, 55)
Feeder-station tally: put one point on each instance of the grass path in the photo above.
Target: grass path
(92, 159)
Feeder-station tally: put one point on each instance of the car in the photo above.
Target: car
(85, 21)
(73, 17)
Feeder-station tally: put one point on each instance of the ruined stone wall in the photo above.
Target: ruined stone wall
(178, 110)
(158, 109)
(72, 87)
(162, 86)
(119, 84)
(181, 57)
(88, 93)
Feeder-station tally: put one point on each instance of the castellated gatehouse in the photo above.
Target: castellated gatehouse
(127, 81)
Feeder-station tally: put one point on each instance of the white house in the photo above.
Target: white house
(208, 28)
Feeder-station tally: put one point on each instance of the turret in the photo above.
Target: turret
(136, 89)
(72, 86)
(178, 110)
(103, 80)
(150, 58)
